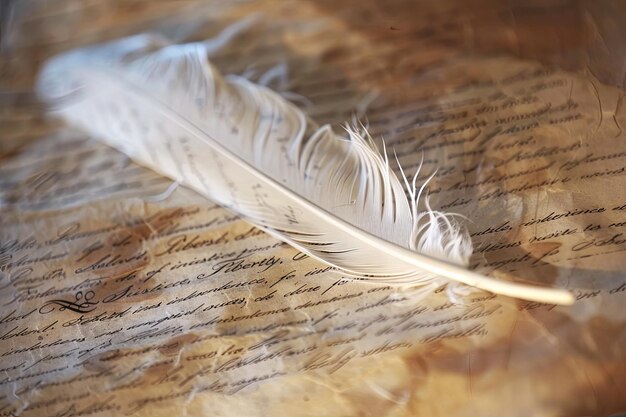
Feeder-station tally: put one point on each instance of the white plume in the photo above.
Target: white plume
(240, 144)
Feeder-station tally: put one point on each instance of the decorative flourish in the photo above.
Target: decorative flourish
(82, 304)
(333, 197)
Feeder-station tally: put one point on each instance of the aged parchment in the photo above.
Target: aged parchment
(124, 295)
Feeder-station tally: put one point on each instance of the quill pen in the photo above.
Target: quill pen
(243, 146)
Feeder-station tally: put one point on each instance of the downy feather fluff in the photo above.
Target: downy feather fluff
(333, 197)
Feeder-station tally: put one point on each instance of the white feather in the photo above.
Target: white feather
(335, 198)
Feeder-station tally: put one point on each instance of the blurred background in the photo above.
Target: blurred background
(588, 37)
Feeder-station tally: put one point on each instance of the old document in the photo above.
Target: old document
(123, 294)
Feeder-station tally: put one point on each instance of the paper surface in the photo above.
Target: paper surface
(123, 295)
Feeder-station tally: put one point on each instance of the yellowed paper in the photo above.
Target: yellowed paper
(125, 295)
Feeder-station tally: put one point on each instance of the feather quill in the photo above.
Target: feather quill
(242, 145)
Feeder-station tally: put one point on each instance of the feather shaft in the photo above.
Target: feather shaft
(286, 212)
